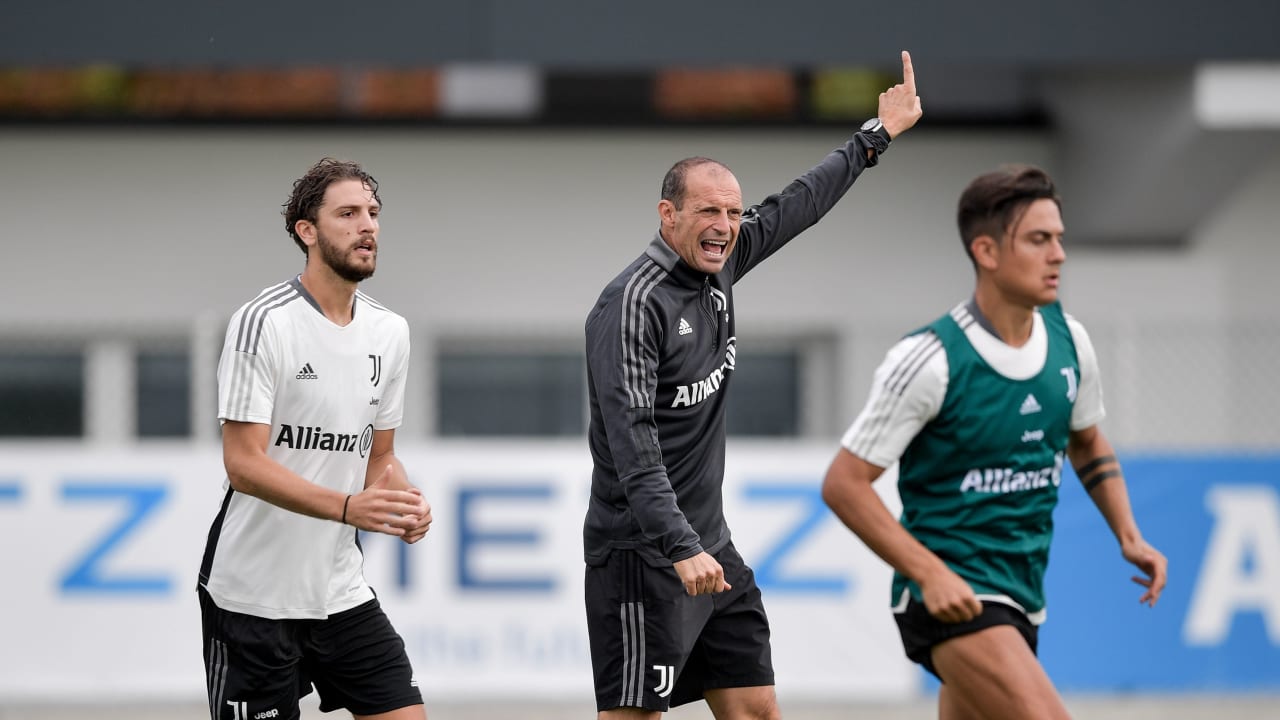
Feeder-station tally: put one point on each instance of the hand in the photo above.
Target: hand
(949, 598)
(416, 533)
(701, 574)
(1151, 562)
(379, 509)
(899, 106)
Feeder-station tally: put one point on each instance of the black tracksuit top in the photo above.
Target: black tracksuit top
(660, 356)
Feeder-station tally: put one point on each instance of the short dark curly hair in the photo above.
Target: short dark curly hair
(308, 192)
(994, 202)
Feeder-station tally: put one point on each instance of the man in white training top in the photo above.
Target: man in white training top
(310, 393)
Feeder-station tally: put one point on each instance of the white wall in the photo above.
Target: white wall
(515, 231)
(480, 227)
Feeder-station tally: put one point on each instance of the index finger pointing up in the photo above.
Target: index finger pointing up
(908, 73)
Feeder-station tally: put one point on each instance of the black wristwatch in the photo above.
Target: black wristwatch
(874, 125)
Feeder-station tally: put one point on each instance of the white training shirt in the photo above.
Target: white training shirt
(323, 389)
(890, 420)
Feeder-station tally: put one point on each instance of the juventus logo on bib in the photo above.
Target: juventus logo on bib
(1070, 374)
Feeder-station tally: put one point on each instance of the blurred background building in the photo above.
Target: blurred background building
(146, 151)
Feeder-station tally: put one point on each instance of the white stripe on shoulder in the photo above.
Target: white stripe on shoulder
(241, 392)
(273, 289)
(256, 314)
(634, 297)
(371, 302)
(250, 308)
(916, 357)
(926, 347)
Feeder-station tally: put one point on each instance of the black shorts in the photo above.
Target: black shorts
(255, 667)
(655, 647)
(921, 631)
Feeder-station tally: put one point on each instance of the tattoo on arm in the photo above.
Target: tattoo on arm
(1096, 479)
(1093, 473)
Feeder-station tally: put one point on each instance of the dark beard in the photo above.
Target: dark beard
(334, 258)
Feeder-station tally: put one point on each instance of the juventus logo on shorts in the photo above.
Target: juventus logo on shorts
(666, 679)
(377, 370)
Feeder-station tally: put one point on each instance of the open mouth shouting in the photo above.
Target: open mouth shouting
(714, 249)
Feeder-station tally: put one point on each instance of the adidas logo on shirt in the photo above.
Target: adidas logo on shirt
(306, 373)
(1029, 405)
(685, 327)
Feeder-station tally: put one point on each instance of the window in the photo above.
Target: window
(765, 395)
(543, 394)
(42, 394)
(511, 394)
(163, 393)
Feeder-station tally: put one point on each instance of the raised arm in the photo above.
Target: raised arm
(777, 219)
(899, 107)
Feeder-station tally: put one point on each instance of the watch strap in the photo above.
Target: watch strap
(878, 138)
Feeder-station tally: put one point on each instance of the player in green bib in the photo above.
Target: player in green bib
(980, 409)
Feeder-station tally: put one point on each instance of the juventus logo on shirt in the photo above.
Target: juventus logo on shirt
(377, 370)
(719, 299)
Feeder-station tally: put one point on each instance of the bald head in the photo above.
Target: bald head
(675, 184)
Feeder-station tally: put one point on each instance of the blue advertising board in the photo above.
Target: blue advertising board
(1217, 626)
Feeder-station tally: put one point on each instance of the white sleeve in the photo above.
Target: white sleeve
(247, 374)
(907, 393)
(391, 409)
(1088, 410)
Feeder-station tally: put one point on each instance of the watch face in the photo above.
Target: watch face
(871, 125)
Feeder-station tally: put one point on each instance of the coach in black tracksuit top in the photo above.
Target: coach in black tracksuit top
(674, 614)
